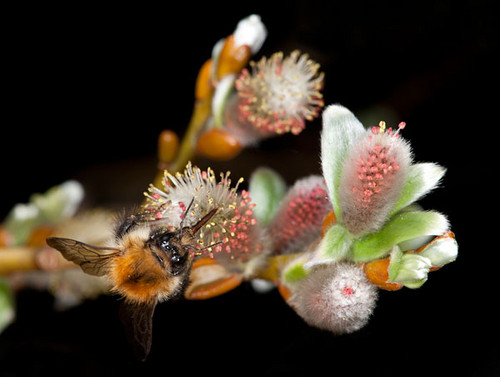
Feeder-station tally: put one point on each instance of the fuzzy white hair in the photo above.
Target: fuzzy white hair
(338, 298)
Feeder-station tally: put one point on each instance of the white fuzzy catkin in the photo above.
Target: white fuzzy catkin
(250, 31)
(338, 298)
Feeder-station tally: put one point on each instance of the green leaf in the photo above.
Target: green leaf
(294, 272)
(333, 247)
(401, 227)
(336, 243)
(341, 129)
(7, 312)
(422, 178)
(395, 262)
(267, 190)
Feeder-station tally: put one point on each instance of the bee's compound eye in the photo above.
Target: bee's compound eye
(164, 243)
(171, 250)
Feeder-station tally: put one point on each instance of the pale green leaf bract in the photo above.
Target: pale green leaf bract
(267, 189)
(422, 178)
(441, 251)
(401, 227)
(341, 129)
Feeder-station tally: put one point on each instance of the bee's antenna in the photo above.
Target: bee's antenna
(203, 220)
(200, 223)
(181, 225)
(197, 251)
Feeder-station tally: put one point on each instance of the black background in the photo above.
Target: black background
(88, 89)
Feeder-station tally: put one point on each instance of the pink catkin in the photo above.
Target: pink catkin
(279, 94)
(232, 233)
(372, 179)
(300, 216)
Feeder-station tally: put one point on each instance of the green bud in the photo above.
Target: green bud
(441, 251)
(267, 190)
(409, 269)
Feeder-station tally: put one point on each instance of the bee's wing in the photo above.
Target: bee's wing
(137, 319)
(93, 260)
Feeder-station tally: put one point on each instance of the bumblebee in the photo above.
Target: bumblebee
(147, 263)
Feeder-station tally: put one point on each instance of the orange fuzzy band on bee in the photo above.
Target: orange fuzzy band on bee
(138, 277)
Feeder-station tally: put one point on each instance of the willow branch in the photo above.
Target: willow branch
(25, 258)
(187, 151)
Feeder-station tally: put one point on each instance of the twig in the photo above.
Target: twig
(201, 112)
(25, 258)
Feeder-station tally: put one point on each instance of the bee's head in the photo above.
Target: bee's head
(171, 250)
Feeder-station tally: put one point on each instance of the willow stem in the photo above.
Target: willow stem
(17, 259)
(187, 150)
(271, 271)
(26, 258)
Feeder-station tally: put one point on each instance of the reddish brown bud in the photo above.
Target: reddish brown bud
(218, 145)
(329, 220)
(232, 58)
(203, 86)
(168, 145)
(377, 273)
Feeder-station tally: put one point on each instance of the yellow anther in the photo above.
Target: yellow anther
(381, 126)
